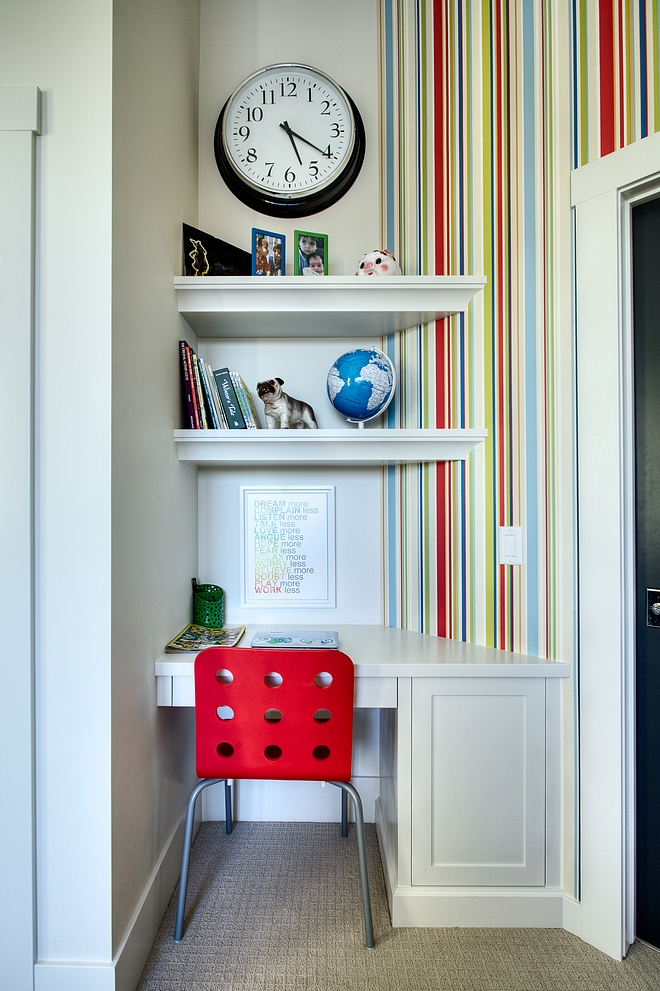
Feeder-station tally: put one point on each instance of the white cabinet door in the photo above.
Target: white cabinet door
(478, 781)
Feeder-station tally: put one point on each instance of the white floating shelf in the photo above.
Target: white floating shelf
(332, 306)
(314, 448)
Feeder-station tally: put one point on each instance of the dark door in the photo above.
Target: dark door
(646, 302)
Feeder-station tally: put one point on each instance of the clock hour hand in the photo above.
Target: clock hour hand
(295, 134)
(300, 137)
(288, 130)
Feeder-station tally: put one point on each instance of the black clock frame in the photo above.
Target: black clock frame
(304, 205)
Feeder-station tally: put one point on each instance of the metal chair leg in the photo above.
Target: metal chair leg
(229, 818)
(344, 814)
(185, 856)
(362, 856)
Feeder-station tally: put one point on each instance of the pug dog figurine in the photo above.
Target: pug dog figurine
(282, 410)
(380, 262)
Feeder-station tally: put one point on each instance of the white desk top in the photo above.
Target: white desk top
(383, 652)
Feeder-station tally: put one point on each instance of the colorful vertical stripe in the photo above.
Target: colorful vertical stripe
(616, 82)
(471, 171)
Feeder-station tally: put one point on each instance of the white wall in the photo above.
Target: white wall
(154, 496)
(341, 39)
(102, 829)
(57, 46)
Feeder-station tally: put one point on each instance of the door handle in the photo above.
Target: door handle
(653, 607)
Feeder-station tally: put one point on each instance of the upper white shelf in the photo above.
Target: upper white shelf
(333, 306)
(315, 448)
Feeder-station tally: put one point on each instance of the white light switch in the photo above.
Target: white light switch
(510, 545)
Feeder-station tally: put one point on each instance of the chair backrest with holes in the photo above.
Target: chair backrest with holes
(282, 714)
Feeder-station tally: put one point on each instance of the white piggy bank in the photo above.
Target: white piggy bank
(381, 262)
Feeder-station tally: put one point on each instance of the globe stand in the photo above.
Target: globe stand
(360, 423)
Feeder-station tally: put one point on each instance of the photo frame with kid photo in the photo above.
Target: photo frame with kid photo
(268, 253)
(311, 253)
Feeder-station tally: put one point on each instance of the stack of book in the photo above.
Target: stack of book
(214, 400)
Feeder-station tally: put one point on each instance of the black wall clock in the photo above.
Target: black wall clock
(289, 141)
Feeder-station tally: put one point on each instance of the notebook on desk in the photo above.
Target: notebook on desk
(296, 638)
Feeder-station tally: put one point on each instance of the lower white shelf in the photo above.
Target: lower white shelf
(226, 448)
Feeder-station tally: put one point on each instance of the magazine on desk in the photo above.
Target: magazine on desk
(196, 637)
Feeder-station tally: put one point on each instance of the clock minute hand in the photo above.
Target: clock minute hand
(300, 138)
(288, 130)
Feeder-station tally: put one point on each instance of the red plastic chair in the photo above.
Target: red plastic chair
(274, 714)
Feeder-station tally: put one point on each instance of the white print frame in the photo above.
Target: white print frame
(288, 546)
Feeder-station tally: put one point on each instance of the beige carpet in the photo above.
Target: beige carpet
(276, 906)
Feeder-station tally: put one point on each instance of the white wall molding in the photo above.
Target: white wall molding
(19, 125)
(603, 194)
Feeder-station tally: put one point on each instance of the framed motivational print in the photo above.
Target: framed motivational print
(288, 546)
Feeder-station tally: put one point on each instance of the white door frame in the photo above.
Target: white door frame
(20, 113)
(603, 194)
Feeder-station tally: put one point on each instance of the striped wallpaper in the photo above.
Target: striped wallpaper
(615, 78)
(488, 105)
(473, 172)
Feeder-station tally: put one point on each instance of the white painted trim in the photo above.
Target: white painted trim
(143, 927)
(422, 905)
(603, 194)
(571, 915)
(19, 118)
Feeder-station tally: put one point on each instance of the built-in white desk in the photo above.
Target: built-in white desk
(381, 656)
(469, 811)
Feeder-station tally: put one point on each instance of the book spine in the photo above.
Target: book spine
(230, 403)
(208, 395)
(242, 400)
(250, 402)
(186, 385)
(217, 399)
(200, 394)
(193, 387)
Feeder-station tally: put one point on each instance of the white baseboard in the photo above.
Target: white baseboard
(421, 905)
(572, 916)
(72, 976)
(387, 854)
(123, 972)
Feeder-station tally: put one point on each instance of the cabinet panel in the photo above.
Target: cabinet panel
(479, 781)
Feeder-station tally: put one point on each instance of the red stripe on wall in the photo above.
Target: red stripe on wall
(606, 75)
(441, 97)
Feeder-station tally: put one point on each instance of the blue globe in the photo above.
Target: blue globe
(361, 383)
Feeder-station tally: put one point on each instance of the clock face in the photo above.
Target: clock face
(289, 141)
